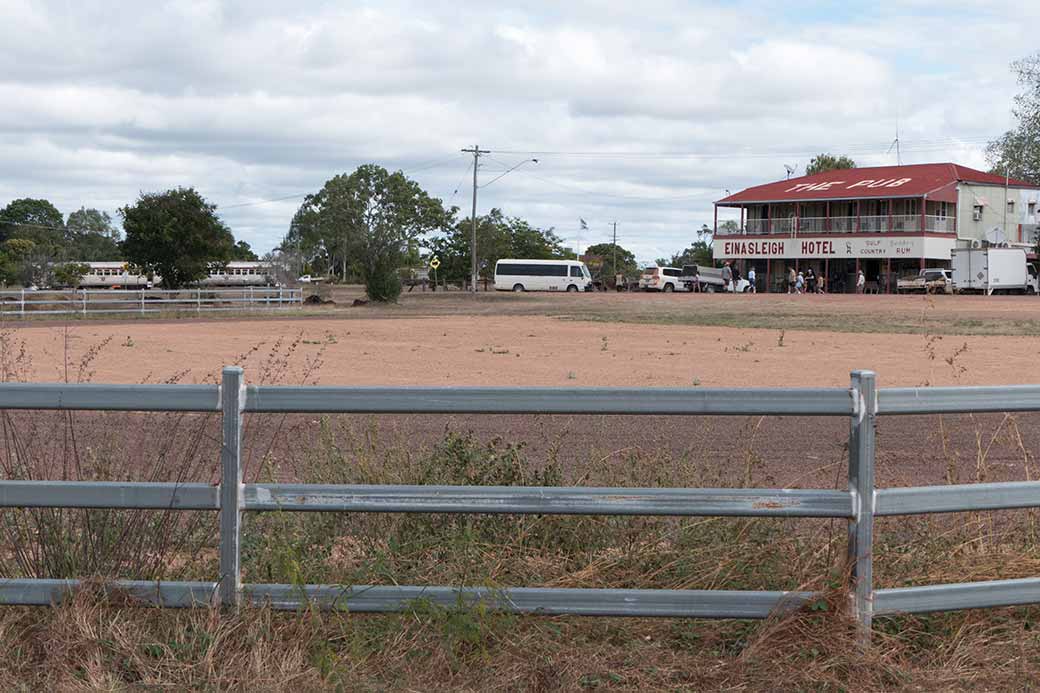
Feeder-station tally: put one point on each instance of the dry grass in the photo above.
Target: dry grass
(97, 641)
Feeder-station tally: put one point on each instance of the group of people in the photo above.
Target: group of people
(809, 283)
(806, 282)
(731, 278)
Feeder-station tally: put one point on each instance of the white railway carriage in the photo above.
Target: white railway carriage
(116, 275)
(240, 274)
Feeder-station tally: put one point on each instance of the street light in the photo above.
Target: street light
(473, 242)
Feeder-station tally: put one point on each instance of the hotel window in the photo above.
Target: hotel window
(1032, 208)
(1011, 206)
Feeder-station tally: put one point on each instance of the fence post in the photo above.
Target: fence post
(198, 301)
(142, 301)
(21, 304)
(84, 301)
(231, 401)
(861, 486)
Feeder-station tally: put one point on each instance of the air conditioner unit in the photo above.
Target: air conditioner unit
(976, 243)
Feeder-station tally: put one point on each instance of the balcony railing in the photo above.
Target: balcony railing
(897, 223)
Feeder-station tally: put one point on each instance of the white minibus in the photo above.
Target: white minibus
(542, 275)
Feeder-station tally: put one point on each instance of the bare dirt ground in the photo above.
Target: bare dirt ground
(620, 340)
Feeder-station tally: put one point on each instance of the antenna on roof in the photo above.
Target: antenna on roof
(790, 169)
(895, 143)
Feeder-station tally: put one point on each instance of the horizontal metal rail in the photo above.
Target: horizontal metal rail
(533, 600)
(953, 597)
(91, 396)
(859, 505)
(177, 595)
(917, 500)
(549, 500)
(109, 494)
(958, 400)
(546, 400)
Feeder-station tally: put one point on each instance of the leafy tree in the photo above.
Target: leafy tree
(826, 162)
(600, 258)
(92, 220)
(27, 213)
(498, 237)
(699, 253)
(1017, 152)
(242, 252)
(92, 247)
(16, 265)
(175, 234)
(70, 273)
(368, 218)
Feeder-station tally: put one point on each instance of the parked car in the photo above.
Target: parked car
(931, 281)
(308, 279)
(661, 279)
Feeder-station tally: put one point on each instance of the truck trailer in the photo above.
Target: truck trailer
(993, 270)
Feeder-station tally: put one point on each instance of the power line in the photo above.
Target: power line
(858, 148)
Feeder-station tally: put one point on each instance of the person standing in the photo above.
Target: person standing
(810, 280)
(736, 277)
(791, 280)
(751, 280)
(861, 282)
(799, 283)
(619, 281)
(727, 276)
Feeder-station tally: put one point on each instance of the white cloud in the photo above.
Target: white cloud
(256, 100)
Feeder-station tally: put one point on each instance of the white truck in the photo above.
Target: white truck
(993, 270)
(709, 279)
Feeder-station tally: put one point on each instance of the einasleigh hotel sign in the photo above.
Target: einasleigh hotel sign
(824, 248)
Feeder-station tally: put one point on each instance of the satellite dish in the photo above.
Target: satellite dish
(996, 236)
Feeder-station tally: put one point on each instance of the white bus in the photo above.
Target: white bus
(542, 275)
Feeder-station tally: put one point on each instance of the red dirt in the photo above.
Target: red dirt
(531, 350)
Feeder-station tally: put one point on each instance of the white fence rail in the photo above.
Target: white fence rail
(859, 505)
(141, 301)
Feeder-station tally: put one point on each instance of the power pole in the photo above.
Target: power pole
(615, 253)
(476, 151)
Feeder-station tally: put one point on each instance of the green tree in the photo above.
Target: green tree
(826, 162)
(26, 213)
(368, 218)
(1017, 152)
(177, 235)
(85, 220)
(69, 273)
(16, 264)
(243, 253)
(498, 237)
(600, 259)
(699, 253)
(90, 235)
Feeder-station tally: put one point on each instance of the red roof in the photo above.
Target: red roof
(935, 181)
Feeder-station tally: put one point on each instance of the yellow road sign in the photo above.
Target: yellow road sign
(435, 263)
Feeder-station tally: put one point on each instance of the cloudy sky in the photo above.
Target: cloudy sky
(641, 113)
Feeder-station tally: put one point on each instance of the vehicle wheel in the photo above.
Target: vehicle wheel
(710, 289)
(668, 288)
(518, 287)
(747, 289)
(572, 289)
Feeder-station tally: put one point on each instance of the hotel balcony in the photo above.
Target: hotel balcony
(897, 223)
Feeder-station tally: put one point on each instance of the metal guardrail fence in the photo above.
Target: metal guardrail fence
(142, 301)
(859, 505)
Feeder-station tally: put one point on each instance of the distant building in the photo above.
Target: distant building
(888, 221)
